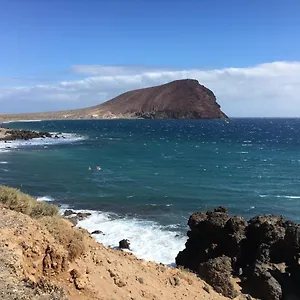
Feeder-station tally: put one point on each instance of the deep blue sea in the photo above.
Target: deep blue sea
(155, 173)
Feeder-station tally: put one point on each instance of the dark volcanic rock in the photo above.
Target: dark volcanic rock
(180, 99)
(267, 230)
(264, 252)
(69, 212)
(292, 237)
(207, 238)
(97, 232)
(73, 220)
(12, 135)
(217, 272)
(235, 234)
(265, 286)
(83, 215)
(124, 244)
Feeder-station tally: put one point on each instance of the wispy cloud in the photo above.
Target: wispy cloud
(102, 70)
(270, 89)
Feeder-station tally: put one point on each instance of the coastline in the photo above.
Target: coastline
(64, 261)
(262, 249)
(39, 248)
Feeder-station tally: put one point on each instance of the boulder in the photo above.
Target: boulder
(124, 244)
(73, 220)
(207, 238)
(267, 230)
(97, 232)
(69, 212)
(217, 272)
(263, 285)
(83, 215)
(236, 224)
(292, 237)
(235, 229)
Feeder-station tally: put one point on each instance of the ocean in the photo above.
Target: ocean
(155, 173)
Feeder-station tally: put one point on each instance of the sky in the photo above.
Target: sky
(66, 54)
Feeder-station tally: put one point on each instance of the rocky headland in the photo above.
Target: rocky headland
(180, 99)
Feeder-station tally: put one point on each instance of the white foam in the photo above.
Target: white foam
(45, 199)
(69, 138)
(148, 240)
(3, 162)
(280, 196)
(15, 121)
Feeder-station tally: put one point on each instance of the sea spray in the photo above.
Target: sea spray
(148, 240)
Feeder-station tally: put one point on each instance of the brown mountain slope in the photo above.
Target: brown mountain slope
(175, 100)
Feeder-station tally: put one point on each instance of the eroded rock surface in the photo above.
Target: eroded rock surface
(264, 252)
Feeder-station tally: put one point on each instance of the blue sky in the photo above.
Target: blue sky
(48, 42)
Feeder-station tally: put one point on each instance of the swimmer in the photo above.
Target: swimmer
(98, 168)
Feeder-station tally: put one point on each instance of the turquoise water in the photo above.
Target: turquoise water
(156, 172)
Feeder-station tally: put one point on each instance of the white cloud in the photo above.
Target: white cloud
(270, 89)
(101, 70)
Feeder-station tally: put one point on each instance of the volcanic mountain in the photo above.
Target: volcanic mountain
(180, 99)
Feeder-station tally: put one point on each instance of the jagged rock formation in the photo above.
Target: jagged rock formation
(11, 135)
(180, 99)
(263, 252)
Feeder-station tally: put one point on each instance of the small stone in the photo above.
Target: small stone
(75, 274)
(24, 246)
(35, 250)
(97, 232)
(140, 280)
(112, 273)
(162, 268)
(175, 281)
(206, 288)
(81, 282)
(118, 282)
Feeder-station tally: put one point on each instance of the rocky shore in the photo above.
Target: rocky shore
(43, 255)
(7, 134)
(262, 253)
